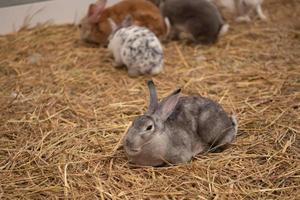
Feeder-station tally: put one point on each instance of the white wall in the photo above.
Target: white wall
(56, 11)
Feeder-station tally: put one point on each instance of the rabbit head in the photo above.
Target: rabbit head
(128, 21)
(147, 132)
(94, 27)
(114, 28)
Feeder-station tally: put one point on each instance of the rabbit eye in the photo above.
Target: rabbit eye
(149, 128)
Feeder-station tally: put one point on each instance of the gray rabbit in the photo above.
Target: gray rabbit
(198, 21)
(177, 128)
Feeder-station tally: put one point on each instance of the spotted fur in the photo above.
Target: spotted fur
(138, 49)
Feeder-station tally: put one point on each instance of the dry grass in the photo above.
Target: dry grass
(64, 109)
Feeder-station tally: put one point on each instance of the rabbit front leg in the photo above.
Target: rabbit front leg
(260, 13)
(174, 34)
(182, 157)
(243, 11)
(118, 64)
(118, 60)
(132, 72)
(244, 18)
(157, 69)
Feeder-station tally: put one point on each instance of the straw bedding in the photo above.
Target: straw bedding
(64, 110)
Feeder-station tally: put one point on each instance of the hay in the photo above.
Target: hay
(64, 110)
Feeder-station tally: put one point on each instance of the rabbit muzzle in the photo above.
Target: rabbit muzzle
(131, 149)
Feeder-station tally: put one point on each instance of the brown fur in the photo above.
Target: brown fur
(143, 12)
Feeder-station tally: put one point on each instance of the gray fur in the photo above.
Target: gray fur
(194, 125)
(196, 20)
(153, 98)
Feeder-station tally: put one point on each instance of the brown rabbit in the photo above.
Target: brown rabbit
(95, 27)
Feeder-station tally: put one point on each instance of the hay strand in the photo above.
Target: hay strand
(65, 110)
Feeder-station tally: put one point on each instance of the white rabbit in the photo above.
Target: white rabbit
(243, 8)
(135, 47)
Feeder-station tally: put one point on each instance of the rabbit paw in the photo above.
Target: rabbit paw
(260, 13)
(244, 18)
(117, 64)
(156, 70)
(133, 73)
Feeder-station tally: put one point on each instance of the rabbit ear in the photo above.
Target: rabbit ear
(153, 97)
(113, 25)
(167, 105)
(95, 11)
(127, 21)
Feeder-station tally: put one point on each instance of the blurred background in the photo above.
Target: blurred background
(15, 14)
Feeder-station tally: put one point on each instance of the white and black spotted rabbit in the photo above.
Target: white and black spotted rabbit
(135, 47)
(177, 128)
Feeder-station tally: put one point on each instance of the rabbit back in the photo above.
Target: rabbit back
(201, 18)
(141, 50)
(144, 14)
(200, 124)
